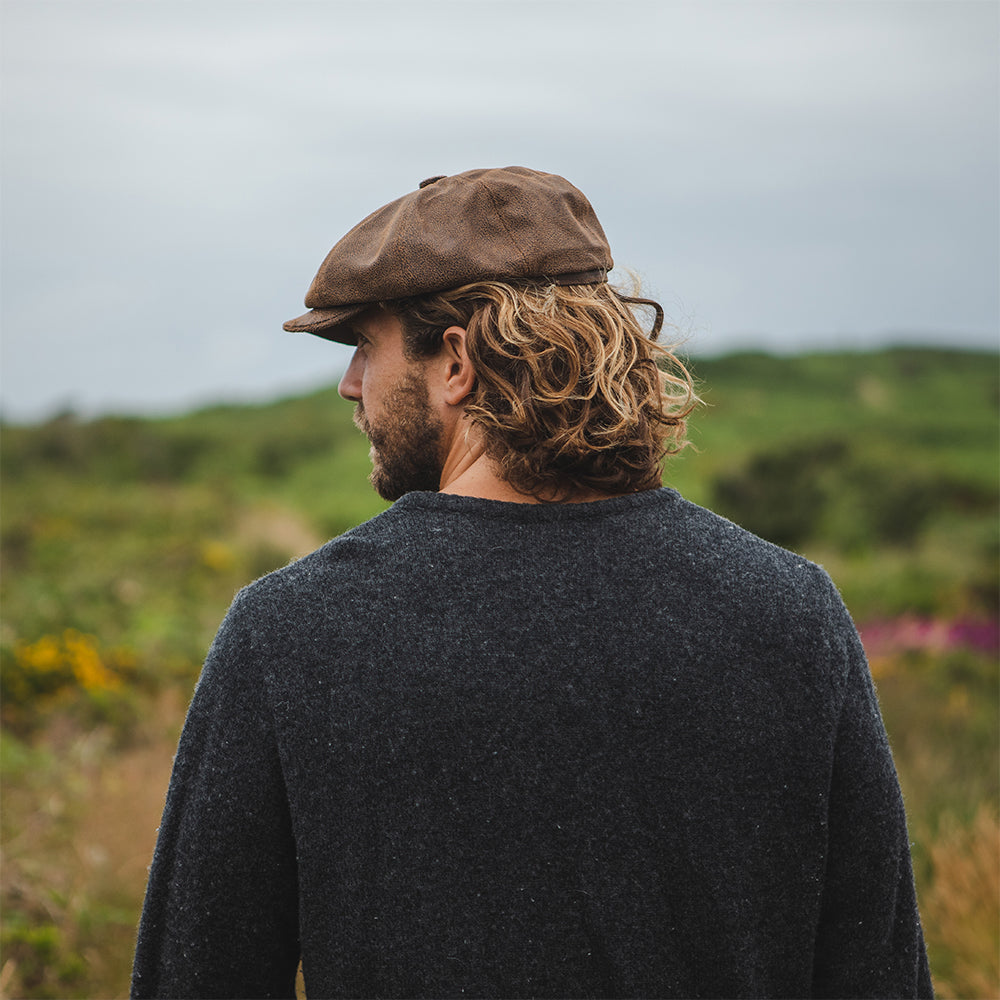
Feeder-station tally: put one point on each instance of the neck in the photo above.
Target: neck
(469, 472)
(478, 477)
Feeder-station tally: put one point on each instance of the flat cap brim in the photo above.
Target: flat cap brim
(331, 324)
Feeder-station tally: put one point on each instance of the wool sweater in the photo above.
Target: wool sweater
(473, 748)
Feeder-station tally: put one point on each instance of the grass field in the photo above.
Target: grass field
(124, 540)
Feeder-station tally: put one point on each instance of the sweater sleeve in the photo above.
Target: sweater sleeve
(869, 941)
(220, 917)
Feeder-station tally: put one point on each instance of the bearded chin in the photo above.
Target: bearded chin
(406, 442)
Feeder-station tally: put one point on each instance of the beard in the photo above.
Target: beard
(406, 442)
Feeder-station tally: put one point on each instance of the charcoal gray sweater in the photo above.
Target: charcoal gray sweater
(471, 748)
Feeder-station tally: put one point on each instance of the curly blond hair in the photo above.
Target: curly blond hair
(571, 393)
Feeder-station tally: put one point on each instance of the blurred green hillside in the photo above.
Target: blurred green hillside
(883, 466)
(124, 540)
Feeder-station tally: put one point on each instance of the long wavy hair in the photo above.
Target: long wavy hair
(572, 394)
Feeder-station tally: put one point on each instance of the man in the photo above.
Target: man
(542, 728)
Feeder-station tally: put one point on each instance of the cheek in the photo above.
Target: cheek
(368, 382)
(379, 382)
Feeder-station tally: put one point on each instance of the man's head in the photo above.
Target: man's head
(547, 368)
(571, 395)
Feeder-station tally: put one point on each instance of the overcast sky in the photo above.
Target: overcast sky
(782, 175)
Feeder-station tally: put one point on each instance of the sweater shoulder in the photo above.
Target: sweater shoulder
(347, 552)
(272, 609)
(750, 561)
(769, 589)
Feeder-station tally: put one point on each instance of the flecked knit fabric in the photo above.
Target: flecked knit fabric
(472, 748)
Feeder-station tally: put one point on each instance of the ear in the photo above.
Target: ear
(459, 377)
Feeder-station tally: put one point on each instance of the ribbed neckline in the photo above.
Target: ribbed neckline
(448, 503)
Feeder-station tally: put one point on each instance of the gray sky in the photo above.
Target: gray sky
(781, 175)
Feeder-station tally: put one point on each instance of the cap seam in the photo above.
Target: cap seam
(403, 256)
(510, 235)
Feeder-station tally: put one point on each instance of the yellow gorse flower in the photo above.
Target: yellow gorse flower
(45, 655)
(86, 663)
(73, 654)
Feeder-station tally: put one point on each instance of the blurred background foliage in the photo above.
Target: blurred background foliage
(124, 540)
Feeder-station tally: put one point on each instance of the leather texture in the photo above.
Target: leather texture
(503, 224)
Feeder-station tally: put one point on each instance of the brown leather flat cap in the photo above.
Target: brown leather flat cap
(507, 224)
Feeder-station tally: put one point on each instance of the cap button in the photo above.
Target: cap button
(432, 180)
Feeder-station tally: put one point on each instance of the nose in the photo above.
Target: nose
(350, 384)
